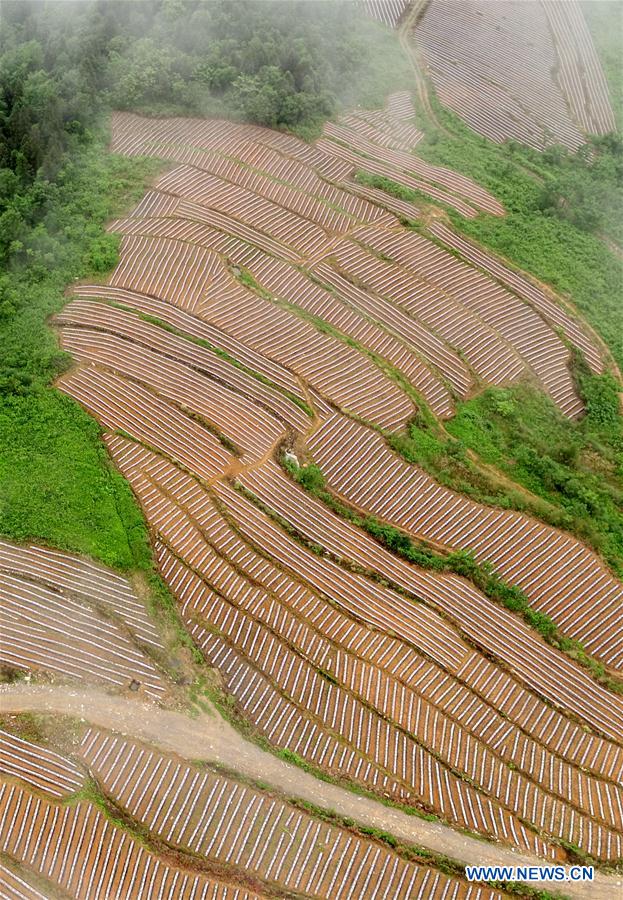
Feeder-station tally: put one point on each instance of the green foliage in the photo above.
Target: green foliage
(379, 834)
(56, 482)
(270, 98)
(281, 63)
(50, 98)
(460, 562)
(399, 542)
(447, 460)
(102, 255)
(575, 467)
(311, 477)
(602, 398)
(294, 758)
(547, 198)
(542, 623)
(585, 188)
(41, 113)
(144, 76)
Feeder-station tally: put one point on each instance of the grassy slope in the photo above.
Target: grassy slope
(575, 468)
(56, 483)
(572, 469)
(574, 262)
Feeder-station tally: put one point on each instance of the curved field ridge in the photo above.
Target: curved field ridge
(560, 576)
(38, 766)
(83, 578)
(552, 312)
(267, 627)
(293, 304)
(279, 170)
(497, 334)
(502, 633)
(245, 199)
(72, 619)
(78, 849)
(15, 887)
(380, 143)
(245, 635)
(234, 825)
(522, 71)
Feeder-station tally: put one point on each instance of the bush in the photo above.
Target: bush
(103, 253)
(311, 477)
(603, 401)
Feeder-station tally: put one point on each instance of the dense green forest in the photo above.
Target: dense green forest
(65, 65)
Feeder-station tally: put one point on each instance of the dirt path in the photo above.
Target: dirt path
(211, 738)
(413, 55)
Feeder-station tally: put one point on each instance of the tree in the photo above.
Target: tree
(263, 98)
(142, 76)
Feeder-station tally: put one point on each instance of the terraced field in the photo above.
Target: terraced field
(263, 304)
(210, 836)
(42, 768)
(388, 296)
(77, 849)
(560, 576)
(334, 676)
(67, 618)
(522, 71)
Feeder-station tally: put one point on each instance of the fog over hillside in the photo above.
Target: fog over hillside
(311, 450)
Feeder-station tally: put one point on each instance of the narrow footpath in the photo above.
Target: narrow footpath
(212, 739)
